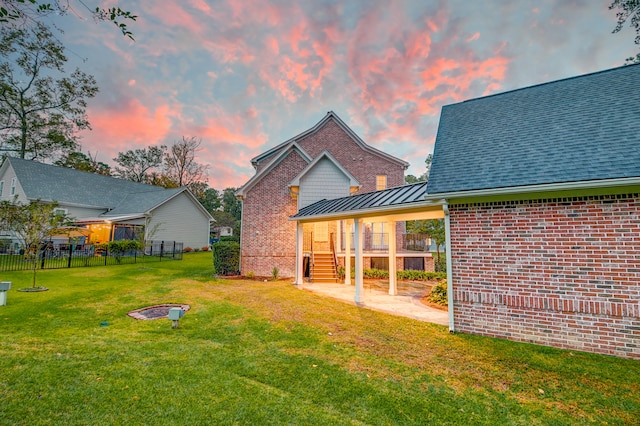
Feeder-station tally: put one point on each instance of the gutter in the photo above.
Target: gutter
(547, 187)
(447, 235)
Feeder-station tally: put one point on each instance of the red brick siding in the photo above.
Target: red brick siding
(268, 238)
(362, 164)
(559, 272)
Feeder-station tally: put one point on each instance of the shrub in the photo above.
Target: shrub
(235, 238)
(226, 257)
(250, 275)
(187, 250)
(196, 249)
(341, 272)
(275, 273)
(420, 275)
(438, 293)
(118, 248)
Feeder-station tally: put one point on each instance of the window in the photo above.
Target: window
(1, 187)
(381, 182)
(13, 186)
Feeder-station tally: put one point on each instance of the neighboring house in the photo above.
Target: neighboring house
(327, 161)
(540, 190)
(222, 231)
(109, 208)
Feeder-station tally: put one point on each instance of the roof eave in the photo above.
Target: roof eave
(374, 211)
(549, 187)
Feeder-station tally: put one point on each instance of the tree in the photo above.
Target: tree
(628, 9)
(180, 163)
(409, 179)
(83, 162)
(23, 13)
(34, 223)
(210, 200)
(230, 204)
(139, 165)
(41, 106)
(435, 230)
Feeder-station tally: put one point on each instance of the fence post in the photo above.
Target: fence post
(106, 255)
(173, 254)
(161, 249)
(70, 255)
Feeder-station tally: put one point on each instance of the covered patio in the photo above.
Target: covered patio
(390, 206)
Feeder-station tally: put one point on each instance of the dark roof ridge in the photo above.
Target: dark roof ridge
(546, 83)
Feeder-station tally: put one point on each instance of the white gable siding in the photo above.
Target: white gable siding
(181, 221)
(325, 180)
(7, 177)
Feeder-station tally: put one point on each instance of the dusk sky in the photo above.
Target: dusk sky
(246, 75)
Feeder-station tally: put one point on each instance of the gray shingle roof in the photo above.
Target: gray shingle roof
(69, 186)
(579, 129)
(405, 195)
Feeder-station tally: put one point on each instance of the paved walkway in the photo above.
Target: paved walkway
(406, 304)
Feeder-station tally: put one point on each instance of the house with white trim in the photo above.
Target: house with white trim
(540, 191)
(109, 208)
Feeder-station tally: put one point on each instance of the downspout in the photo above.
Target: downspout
(241, 199)
(447, 235)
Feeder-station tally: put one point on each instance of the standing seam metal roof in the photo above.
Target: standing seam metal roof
(405, 194)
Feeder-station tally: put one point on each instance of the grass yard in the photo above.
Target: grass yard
(250, 352)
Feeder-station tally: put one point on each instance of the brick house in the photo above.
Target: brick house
(540, 191)
(327, 161)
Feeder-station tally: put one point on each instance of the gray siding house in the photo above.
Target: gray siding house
(109, 208)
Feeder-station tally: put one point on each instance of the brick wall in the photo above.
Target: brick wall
(362, 164)
(559, 272)
(268, 238)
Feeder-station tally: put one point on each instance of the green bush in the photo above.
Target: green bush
(438, 293)
(226, 257)
(226, 238)
(404, 275)
(420, 275)
(275, 274)
(117, 249)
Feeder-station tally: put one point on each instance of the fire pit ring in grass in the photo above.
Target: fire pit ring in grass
(157, 311)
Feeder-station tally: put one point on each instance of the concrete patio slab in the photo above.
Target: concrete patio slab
(406, 304)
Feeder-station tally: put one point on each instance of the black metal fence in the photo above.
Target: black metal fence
(57, 256)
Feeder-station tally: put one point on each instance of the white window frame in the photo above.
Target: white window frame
(13, 186)
(1, 187)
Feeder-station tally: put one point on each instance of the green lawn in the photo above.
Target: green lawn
(250, 352)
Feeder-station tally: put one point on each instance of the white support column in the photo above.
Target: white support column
(299, 254)
(347, 252)
(359, 273)
(393, 284)
(447, 235)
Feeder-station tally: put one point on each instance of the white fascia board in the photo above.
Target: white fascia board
(373, 212)
(325, 154)
(258, 176)
(550, 187)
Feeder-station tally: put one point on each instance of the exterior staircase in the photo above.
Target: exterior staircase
(323, 269)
